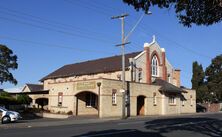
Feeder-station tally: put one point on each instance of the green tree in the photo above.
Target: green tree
(4, 94)
(8, 62)
(199, 12)
(6, 99)
(214, 78)
(198, 82)
(23, 99)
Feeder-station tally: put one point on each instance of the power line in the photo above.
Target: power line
(41, 44)
(55, 30)
(15, 13)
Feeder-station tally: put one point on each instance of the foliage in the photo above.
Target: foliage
(8, 61)
(8, 100)
(198, 82)
(4, 94)
(214, 78)
(198, 75)
(199, 12)
(23, 99)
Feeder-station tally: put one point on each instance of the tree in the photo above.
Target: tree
(198, 82)
(6, 99)
(23, 99)
(199, 12)
(8, 62)
(214, 78)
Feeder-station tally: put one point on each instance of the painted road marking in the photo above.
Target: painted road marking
(109, 133)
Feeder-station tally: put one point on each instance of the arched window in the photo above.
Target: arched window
(154, 66)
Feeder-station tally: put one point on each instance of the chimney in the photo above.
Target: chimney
(176, 77)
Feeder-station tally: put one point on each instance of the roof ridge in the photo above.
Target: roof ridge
(82, 68)
(33, 84)
(101, 58)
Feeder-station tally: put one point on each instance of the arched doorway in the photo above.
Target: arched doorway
(42, 102)
(140, 105)
(86, 103)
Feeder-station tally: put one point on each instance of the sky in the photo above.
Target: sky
(47, 34)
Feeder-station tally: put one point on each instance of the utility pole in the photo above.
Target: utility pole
(122, 17)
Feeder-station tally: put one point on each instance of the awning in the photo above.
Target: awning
(167, 87)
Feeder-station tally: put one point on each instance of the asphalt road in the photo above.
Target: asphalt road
(207, 125)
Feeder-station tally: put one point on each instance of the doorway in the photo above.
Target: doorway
(140, 105)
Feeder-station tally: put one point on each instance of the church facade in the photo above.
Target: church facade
(95, 87)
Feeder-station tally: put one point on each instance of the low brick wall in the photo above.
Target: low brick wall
(214, 107)
(52, 115)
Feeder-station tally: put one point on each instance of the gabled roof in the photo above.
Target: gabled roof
(167, 87)
(103, 65)
(35, 87)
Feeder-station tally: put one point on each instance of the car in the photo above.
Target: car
(7, 116)
(200, 108)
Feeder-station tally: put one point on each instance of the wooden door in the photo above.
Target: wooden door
(141, 110)
(140, 105)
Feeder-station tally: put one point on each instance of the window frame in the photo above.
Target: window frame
(169, 78)
(154, 99)
(155, 66)
(114, 97)
(172, 100)
(191, 100)
(139, 75)
(60, 99)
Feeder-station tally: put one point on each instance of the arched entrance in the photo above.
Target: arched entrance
(42, 102)
(86, 103)
(140, 105)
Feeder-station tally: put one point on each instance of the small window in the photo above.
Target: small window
(90, 99)
(60, 98)
(154, 99)
(118, 76)
(183, 102)
(114, 97)
(140, 75)
(172, 100)
(191, 100)
(169, 78)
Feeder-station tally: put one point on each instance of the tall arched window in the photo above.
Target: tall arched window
(154, 66)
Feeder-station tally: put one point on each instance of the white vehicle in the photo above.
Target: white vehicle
(8, 116)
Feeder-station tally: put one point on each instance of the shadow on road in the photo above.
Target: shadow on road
(205, 126)
(121, 133)
(156, 128)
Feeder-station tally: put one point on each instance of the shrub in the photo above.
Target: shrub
(70, 113)
(5, 100)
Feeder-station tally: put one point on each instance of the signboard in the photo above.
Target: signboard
(86, 85)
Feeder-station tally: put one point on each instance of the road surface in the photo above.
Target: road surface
(207, 125)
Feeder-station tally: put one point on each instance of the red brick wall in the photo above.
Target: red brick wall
(215, 107)
(148, 66)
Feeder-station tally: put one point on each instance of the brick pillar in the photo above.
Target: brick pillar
(164, 68)
(148, 65)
